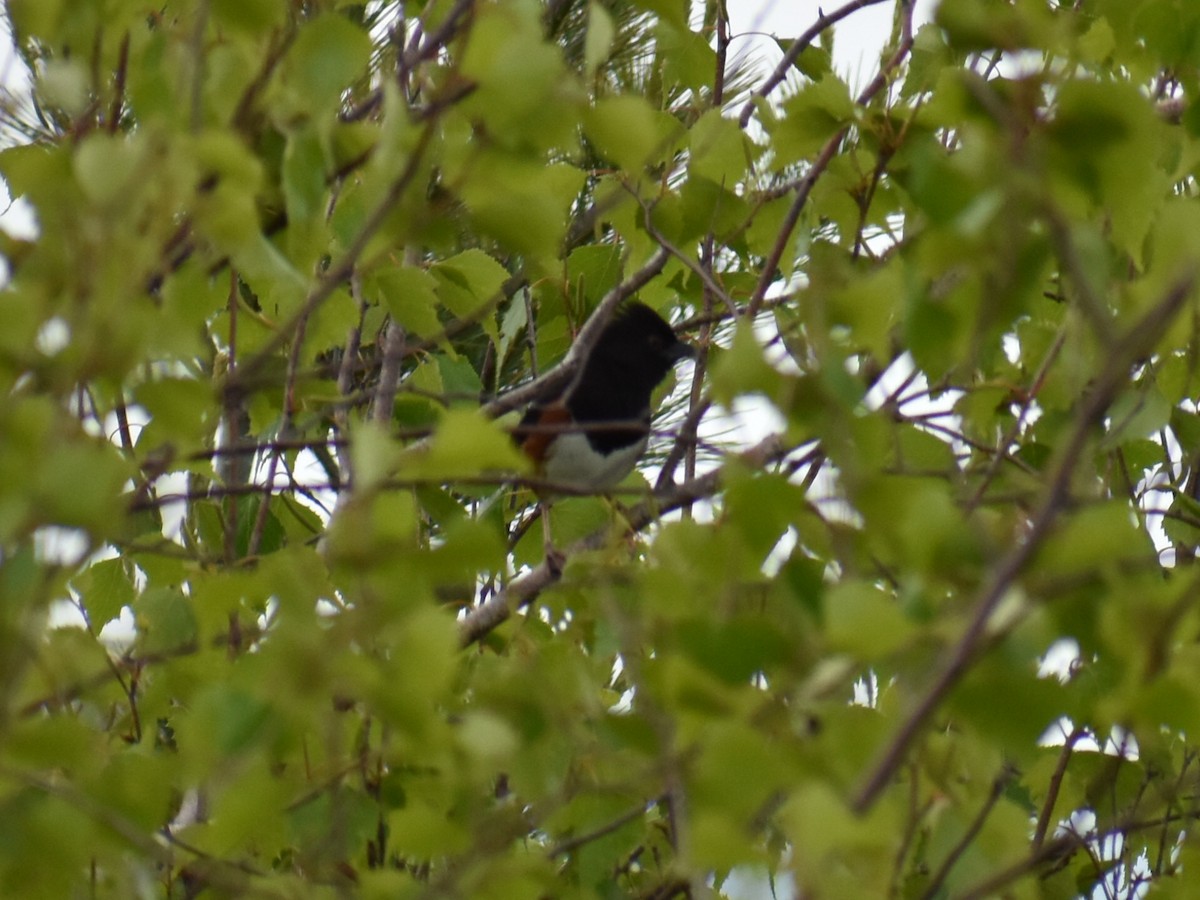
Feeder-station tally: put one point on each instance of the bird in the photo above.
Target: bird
(588, 436)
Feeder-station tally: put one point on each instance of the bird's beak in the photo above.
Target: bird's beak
(679, 350)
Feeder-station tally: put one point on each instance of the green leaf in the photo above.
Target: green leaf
(105, 588)
(1014, 731)
(1099, 535)
(598, 41)
(107, 166)
(179, 408)
(465, 444)
(810, 118)
(523, 94)
(32, 824)
(1169, 30)
(304, 177)
(227, 213)
(1136, 414)
(1182, 528)
(421, 830)
(221, 155)
(500, 184)
(719, 149)
(424, 651)
(760, 507)
(309, 822)
(410, 295)
(630, 132)
(79, 483)
(917, 520)
(35, 16)
(373, 455)
(1123, 145)
(56, 742)
(1186, 427)
(460, 382)
(827, 834)
(328, 55)
(249, 16)
(592, 271)
(974, 25)
(165, 620)
(868, 308)
(1098, 42)
(733, 650)
(468, 284)
(710, 207)
(249, 810)
(672, 11)
(137, 786)
(930, 56)
(864, 621)
(232, 718)
(271, 535)
(688, 58)
(814, 61)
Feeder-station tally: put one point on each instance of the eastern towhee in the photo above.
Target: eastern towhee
(589, 436)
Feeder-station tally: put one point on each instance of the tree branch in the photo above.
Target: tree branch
(389, 374)
(562, 374)
(571, 844)
(1135, 343)
(969, 835)
(802, 43)
(521, 591)
(1055, 849)
(805, 185)
(1055, 784)
(343, 268)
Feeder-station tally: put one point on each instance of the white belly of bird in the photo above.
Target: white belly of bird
(573, 462)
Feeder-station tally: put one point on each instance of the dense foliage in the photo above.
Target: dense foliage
(276, 618)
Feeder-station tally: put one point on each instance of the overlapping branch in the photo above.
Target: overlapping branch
(524, 589)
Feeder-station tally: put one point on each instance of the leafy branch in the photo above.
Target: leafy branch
(525, 588)
(1133, 345)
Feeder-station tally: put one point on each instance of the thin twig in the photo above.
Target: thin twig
(118, 100)
(285, 427)
(1001, 453)
(1055, 849)
(1092, 306)
(686, 436)
(345, 379)
(389, 373)
(969, 835)
(802, 43)
(701, 270)
(434, 41)
(571, 844)
(784, 238)
(1054, 785)
(233, 470)
(722, 55)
